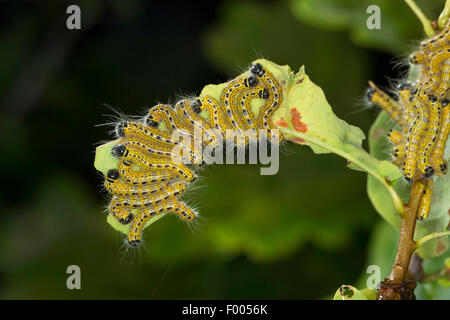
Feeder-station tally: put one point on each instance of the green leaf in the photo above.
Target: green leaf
(398, 23)
(304, 105)
(346, 292)
(104, 161)
(306, 118)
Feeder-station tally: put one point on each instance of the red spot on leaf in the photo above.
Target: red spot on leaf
(282, 123)
(296, 121)
(440, 247)
(299, 81)
(297, 140)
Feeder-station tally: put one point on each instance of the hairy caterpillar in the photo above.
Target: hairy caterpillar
(384, 101)
(415, 134)
(437, 160)
(395, 136)
(425, 201)
(430, 137)
(156, 165)
(423, 115)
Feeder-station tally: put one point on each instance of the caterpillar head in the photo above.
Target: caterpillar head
(369, 93)
(127, 220)
(118, 150)
(197, 106)
(257, 70)
(120, 129)
(150, 122)
(428, 172)
(112, 175)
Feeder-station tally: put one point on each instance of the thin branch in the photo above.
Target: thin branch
(429, 31)
(445, 15)
(431, 236)
(396, 286)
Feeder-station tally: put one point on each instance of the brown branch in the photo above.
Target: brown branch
(397, 286)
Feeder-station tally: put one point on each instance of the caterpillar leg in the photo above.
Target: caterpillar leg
(145, 162)
(135, 234)
(425, 201)
(437, 158)
(384, 101)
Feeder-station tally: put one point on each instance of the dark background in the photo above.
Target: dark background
(297, 235)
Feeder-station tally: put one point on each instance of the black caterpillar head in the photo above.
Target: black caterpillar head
(118, 150)
(127, 220)
(113, 174)
(403, 86)
(151, 123)
(257, 70)
(134, 243)
(369, 93)
(120, 129)
(197, 106)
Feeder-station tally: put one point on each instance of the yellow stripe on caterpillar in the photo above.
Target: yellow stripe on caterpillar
(115, 186)
(425, 201)
(143, 177)
(414, 136)
(384, 101)
(395, 136)
(430, 136)
(437, 158)
(146, 162)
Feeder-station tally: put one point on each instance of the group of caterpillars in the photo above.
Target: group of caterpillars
(422, 115)
(148, 181)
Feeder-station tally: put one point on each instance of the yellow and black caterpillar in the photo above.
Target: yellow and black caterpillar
(151, 176)
(422, 114)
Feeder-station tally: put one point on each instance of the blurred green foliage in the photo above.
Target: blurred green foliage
(299, 234)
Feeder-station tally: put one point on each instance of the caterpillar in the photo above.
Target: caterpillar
(384, 101)
(422, 115)
(415, 133)
(156, 166)
(425, 201)
(395, 136)
(430, 137)
(437, 160)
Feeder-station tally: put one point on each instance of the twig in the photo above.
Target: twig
(429, 31)
(396, 286)
(430, 236)
(445, 15)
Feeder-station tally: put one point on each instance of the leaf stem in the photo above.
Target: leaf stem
(429, 31)
(431, 236)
